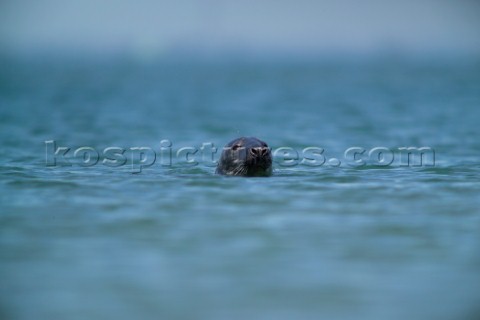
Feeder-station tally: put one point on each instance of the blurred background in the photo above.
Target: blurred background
(179, 242)
(155, 28)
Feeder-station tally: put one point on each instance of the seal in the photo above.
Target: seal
(245, 156)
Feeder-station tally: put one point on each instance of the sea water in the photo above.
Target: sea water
(349, 238)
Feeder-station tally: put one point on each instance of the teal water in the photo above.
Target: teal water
(179, 242)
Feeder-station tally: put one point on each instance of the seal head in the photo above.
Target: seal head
(245, 156)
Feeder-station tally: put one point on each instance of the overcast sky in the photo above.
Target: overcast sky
(144, 26)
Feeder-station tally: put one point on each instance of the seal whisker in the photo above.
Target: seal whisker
(254, 160)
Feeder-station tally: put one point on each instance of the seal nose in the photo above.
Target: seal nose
(259, 152)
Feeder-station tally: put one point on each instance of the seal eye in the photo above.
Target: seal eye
(235, 147)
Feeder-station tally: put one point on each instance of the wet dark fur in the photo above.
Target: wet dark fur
(245, 156)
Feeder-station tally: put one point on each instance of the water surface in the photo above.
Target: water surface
(179, 242)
